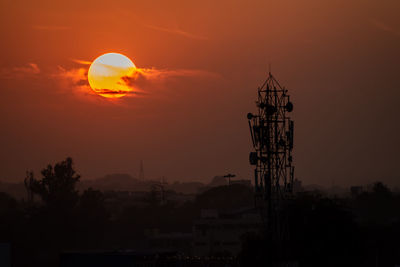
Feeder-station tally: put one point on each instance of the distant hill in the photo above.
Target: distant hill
(116, 182)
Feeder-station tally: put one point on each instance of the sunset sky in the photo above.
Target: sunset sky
(340, 61)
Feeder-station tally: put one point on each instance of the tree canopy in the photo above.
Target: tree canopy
(57, 186)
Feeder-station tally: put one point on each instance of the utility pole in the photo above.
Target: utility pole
(229, 176)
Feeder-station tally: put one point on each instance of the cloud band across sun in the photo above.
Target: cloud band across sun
(115, 81)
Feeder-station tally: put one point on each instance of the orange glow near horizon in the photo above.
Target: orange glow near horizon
(106, 75)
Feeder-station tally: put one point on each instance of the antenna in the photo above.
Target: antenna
(141, 171)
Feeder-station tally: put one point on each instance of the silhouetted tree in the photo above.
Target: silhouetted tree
(377, 207)
(93, 218)
(57, 187)
(380, 188)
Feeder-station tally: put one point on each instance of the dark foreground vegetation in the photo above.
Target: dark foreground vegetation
(362, 229)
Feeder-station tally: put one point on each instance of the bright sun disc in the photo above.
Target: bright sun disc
(107, 72)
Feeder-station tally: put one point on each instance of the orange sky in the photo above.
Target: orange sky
(339, 60)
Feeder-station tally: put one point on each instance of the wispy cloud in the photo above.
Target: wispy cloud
(385, 27)
(74, 80)
(82, 62)
(142, 82)
(136, 84)
(162, 74)
(31, 68)
(20, 71)
(177, 32)
(50, 28)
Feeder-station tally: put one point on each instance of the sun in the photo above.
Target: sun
(107, 75)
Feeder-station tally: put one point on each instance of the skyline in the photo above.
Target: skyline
(338, 61)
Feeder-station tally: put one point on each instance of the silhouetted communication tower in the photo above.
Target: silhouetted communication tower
(272, 136)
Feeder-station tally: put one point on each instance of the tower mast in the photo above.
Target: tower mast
(272, 137)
